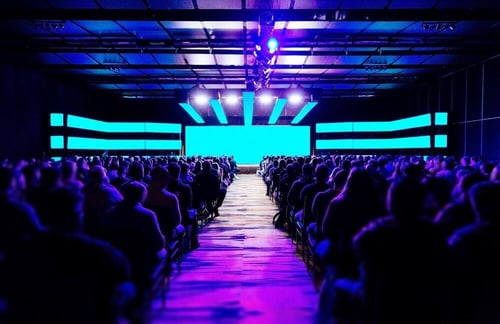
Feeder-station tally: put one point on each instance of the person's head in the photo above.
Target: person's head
(97, 174)
(339, 179)
(6, 180)
(65, 210)
(50, 177)
(136, 171)
(485, 201)
(322, 172)
(68, 170)
(405, 199)
(159, 176)
(359, 183)
(206, 166)
(134, 192)
(307, 170)
(174, 169)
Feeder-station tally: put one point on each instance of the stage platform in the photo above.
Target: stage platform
(248, 168)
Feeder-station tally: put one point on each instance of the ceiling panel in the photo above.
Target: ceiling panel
(314, 4)
(387, 27)
(211, 4)
(77, 58)
(412, 59)
(405, 4)
(367, 86)
(169, 58)
(171, 4)
(122, 4)
(199, 59)
(143, 58)
(350, 59)
(150, 86)
(144, 29)
(73, 4)
(291, 59)
(102, 27)
(106, 86)
(229, 59)
(343, 27)
(320, 59)
(108, 58)
(50, 58)
(127, 86)
(364, 4)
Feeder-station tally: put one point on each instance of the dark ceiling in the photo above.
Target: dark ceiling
(332, 48)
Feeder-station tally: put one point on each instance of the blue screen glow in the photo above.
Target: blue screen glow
(303, 112)
(441, 119)
(417, 142)
(378, 126)
(248, 99)
(218, 110)
(56, 120)
(192, 112)
(278, 108)
(57, 142)
(248, 144)
(85, 143)
(121, 127)
(440, 141)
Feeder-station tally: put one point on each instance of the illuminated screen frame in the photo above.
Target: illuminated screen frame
(248, 144)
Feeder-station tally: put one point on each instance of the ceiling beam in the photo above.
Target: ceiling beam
(234, 67)
(483, 14)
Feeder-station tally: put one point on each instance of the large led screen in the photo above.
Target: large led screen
(248, 144)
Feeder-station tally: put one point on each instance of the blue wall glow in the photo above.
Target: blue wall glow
(417, 142)
(85, 143)
(56, 119)
(56, 142)
(121, 127)
(248, 144)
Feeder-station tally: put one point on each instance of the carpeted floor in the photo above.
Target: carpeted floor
(245, 271)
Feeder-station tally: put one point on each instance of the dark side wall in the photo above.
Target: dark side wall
(472, 97)
(27, 99)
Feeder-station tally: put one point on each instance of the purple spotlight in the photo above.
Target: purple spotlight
(272, 45)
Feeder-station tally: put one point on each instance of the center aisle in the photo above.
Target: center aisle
(245, 270)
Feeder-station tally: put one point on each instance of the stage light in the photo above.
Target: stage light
(295, 98)
(265, 99)
(272, 45)
(232, 99)
(201, 99)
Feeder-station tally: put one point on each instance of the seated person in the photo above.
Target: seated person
(63, 276)
(135, 231)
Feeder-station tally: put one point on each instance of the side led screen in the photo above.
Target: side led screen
(84, 143)
(248, 144)
(417, 142)
(121, 127)
(56, 120)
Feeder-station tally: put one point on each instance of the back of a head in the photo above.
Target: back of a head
(174, 169)
(134, 192)
(359, 183)
(136, 171)
(307, 170)
(322, 172)
(159, 174)
(50, 177)
(68, 169)
(97, 174)
(340, 178)
(405, 198)
(485, 201)
(206, 166)
(65, 210)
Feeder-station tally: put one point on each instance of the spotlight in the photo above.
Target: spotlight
(272, 45)
(232, 99)
(295, 98)
(201, 99)
(265, 99)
